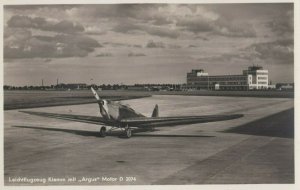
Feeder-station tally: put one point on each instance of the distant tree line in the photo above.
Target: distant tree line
(82, 86)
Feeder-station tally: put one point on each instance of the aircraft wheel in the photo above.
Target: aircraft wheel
(103, 132)
(128, 132)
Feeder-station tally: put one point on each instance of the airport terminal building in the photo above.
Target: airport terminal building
(254, 78)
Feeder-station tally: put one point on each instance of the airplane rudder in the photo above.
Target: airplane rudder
(155, 112)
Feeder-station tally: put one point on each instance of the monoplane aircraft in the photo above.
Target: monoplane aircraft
(117, 115)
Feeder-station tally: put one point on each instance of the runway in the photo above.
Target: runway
(225, 152)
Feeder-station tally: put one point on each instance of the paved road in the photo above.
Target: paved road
(54, 151)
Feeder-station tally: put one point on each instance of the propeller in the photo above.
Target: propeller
(99, 100)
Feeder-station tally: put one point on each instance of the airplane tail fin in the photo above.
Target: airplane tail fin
(155, 111)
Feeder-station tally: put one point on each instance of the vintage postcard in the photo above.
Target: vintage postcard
(123, 94)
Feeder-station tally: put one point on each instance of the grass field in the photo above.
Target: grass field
(32, 99)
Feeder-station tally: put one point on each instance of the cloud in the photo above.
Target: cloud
(15, 35)
(152, 44)
(276, 52)
(67, 27)
(93, 30)
(137, 46)
(116, 44)
(131, 54)
(34, 7)
(196, 25)
(41, 23)
(192, 46)
(165, 20)
(161, 31)
(161, 21)
(224, 58)
(219, 26)
(104, 55)
(202, 38)
(143, 12)
(281, 50)
(127, 27)
(21, 44)
(200, 19)
(283, 25)
(174, 46)
(234, 29)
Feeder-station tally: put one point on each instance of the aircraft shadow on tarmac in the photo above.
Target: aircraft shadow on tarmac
(278, 125)
(113, 133)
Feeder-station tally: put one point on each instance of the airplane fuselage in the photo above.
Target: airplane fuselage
(116, 111)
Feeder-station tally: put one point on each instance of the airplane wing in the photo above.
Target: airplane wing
(70, 117)
(141, 122)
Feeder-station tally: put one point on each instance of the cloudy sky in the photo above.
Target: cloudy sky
(145, 43)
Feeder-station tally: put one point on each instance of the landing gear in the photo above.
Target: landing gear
(103, 131)
(127, 132)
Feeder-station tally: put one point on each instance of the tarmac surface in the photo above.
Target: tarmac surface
(255, 149)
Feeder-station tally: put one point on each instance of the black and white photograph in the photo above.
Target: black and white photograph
(129, 94)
